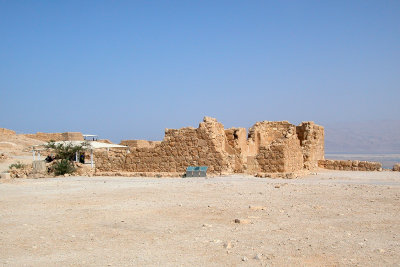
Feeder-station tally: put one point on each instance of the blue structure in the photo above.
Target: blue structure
(196, 171)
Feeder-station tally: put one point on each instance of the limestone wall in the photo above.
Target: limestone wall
(238, 146)
(269, 147)
(311, 138)
(46, 137)
(265, 132)
(204, 146)
(350, 165)
(140, 143)
(283, 155)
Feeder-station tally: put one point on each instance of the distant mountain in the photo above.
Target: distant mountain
(363, 137)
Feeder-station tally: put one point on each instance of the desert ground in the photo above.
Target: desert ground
(331, 218)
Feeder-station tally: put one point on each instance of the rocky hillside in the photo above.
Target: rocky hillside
(15, 144)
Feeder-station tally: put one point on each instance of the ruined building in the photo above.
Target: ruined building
(269, 147)
(46, 137)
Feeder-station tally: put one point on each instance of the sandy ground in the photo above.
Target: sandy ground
(329, 219)
(5, 164)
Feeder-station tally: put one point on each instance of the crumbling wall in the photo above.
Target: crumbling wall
(396, 167)
(350, 165)
(311, 138)
(140, 143)
(265, 132)
(269, 147)
(283, 155)
(204, 146)
(46, 137)
(238, 146)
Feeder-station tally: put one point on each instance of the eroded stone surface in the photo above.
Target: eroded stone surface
(350, 165)
(46, 137)
(269, 147)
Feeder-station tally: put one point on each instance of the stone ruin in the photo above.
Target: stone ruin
(350, 165)
(46, 137)
(269, 147)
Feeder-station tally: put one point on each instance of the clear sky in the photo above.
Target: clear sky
(129, 69)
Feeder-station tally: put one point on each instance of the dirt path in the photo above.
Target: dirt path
(330, 219)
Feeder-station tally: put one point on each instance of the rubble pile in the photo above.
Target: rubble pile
(396, 167)
(23, 172)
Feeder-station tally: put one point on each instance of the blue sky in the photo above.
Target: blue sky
(129, 69)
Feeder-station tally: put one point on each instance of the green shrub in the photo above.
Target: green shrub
(65, 151)
(17, 165)
(62, 167)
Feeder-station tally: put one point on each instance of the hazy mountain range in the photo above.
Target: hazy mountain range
(363, 137)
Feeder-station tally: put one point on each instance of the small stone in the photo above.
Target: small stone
(244, 258)
(228, 245)
(257, 208)
(242, 221)
(258, 256)
(277, 186)
(207, 225)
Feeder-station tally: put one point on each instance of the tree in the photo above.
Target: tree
(65, 151)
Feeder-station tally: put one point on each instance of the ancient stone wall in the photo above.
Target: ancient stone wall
(396, 167)
(140, 143)
(204, 146)
(237, 144)
(283, 155)
(269, 147)
(350, 165)
(311, 138)
(46, 137)
(265, 132)
(113, 160)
